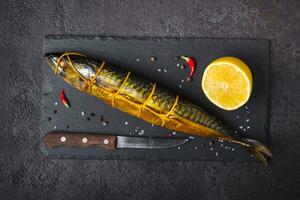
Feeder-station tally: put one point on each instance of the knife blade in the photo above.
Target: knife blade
(109, 142)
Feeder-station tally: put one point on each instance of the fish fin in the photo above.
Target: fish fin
(257, 149)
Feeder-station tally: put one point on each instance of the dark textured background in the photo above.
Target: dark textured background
(26, 174)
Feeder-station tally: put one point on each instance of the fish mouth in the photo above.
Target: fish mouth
(51, 59)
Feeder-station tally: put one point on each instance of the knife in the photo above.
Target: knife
(109, 142)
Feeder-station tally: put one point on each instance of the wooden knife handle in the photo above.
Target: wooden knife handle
(79, 140)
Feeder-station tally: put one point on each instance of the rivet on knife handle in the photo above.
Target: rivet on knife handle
(79, 140)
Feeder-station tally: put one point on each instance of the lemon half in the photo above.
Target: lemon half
(227, 83)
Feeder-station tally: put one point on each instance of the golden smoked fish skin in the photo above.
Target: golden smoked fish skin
(144, 99)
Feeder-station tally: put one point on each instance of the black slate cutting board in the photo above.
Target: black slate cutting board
(134, 53)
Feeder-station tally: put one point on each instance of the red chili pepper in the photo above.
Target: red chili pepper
(64, 100)
(191, 63)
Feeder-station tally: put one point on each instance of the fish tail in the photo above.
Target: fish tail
(257, 149)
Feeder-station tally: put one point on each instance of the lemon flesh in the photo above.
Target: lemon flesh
(227, 83)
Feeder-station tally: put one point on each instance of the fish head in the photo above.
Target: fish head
(55, 62)
(71, 68)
